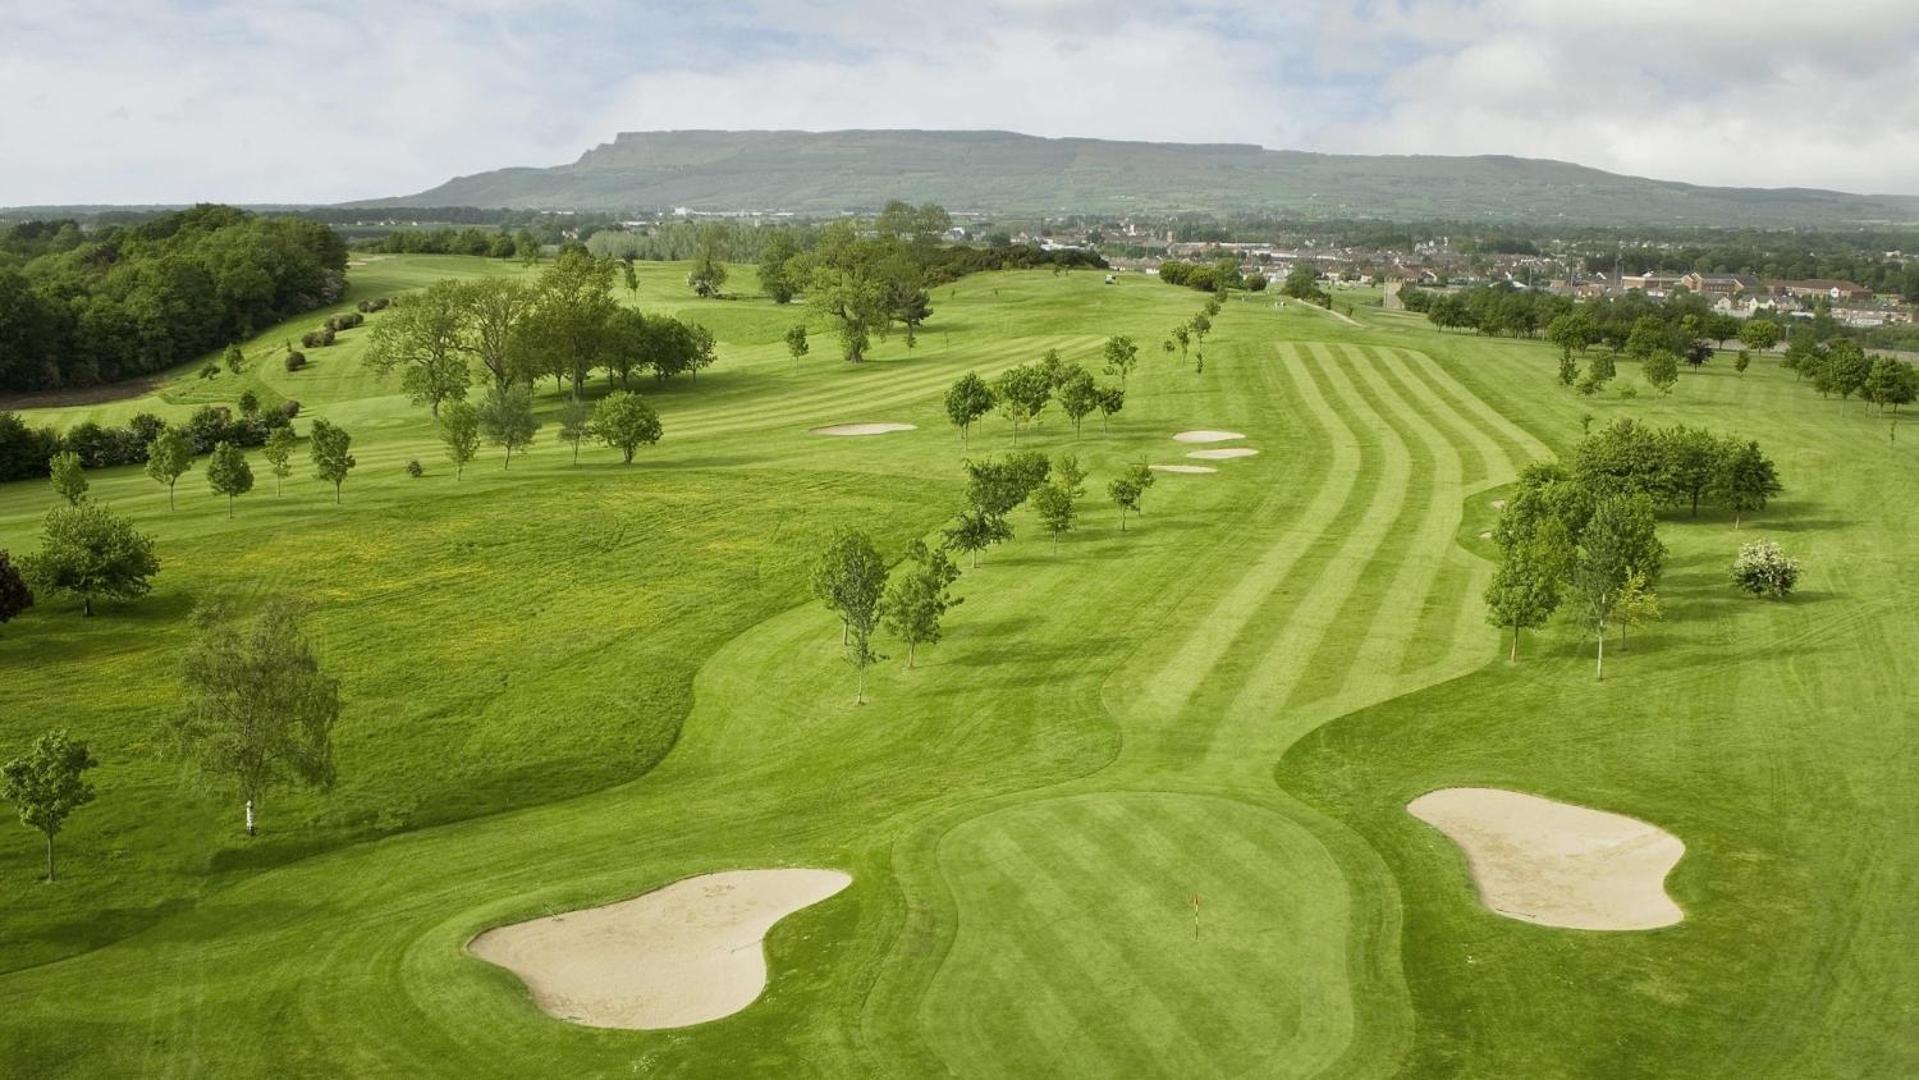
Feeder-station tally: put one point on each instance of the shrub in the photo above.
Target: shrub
(99, 447)
(290, 408)
(376, 304)
(24, 450)
(344, 321)
(215, 424)
(296, 361)
(249, 403)
(317, 339)
(414, 468)
(146, 427)
(1764, 569)
(209, 370)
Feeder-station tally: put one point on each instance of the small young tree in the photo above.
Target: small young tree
(1569, 371)
(1617, 542)
(1128, 488)
(796, 343)
(917, 599)
(68, 478)
(1637, 605)
(968, 399)
(708, 275)
(1182, 336)
(850, 579)
(169, 456)
(974, 530)
(234, 359)
(89, 551)
(1525, 588)
(1759, 334)
(228, 473)
(1111, 400)
(576, 424)
(1078, 396)
(328, 446)
(624, 420)
(507, 420)
(1764, 569)
(1121, 356)
(1022, 393)
(259, 712)
(1662, 370)
(1056, 510)
(49, 784)
(1742, 361)
(460, 432)
(279, 454)
(15, 596)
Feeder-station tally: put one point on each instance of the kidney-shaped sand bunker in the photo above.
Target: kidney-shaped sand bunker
(683, 954)
(1558, 864)
(844, 430)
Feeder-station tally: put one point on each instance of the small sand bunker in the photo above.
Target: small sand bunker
(1485, 536)
(862, 429)
(1225, 454)
(1499, 504)
(683, 954)
(1205, 435)
(1192, 470)
(1557, 864)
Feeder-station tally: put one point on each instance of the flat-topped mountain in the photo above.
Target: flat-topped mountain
(1004, 172)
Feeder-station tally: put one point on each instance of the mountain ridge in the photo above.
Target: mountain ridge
(998, 172)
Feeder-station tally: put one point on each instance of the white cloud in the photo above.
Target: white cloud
(297, 100)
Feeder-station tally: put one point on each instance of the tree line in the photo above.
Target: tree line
(1582, 537)
(79, 308)
(1022, 393)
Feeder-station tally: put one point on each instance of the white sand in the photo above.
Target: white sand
(1226, 454)
(1206, 435)
(1499, 504)
(1187, 469)
(1557, 864)
(683, 954)
(1485, 536)
(861, 429)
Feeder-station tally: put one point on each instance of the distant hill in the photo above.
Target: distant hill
(1001, 172)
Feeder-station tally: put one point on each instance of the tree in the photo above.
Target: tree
(974, 530)
(776, 267)
(1569, 372)
(229, 474)
(425, 336)
(492, 314)
(1745, 479)
(460, 431)
(917, 598)
(1127, 489)
(623, 419)
(1525, 589)
(567, 328)
(796, 343)
(15, 596)
(1121, 356)
(169, 456)
(1572, 332)
(260, 712)
(1742, 361)
(279, 454)
(850, 579)
(1759, 334)
(69, 480)
(1765, 570)
(89, 551)
(1056, 510)
(1201, 325)
(709, 273)
(1616, 543)
(1690, 463)
(1889, 382)
(1022, 393)
(1637, 605)
(328, 445)
(1649, 335)
(1302, 283)
(576, 424)
(1078, 396)
(968, 399)
(1662, 371)
(49, 784)
(234, 359)
(1112, 399)
(847, 280)
(1181, 336)
(507, 420)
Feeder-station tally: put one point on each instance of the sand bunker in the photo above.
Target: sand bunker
(1557, 864)
(1188, 469)
(1223, 455)
(1207, 436)
(861, 429)
(1499, 504)
(679, 955)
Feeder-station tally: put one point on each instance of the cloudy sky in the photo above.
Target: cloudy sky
(317, 101)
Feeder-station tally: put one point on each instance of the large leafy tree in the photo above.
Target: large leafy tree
(507, 420)
(776, 266)
(1689, 463)
(15, 596)
(847, 281)
(259, 711)
(425, 336)
(1525, 589)
(708, 275)
(1745, 479)
(625, 421)
(493, 311)
(48, 784)
(90, 552)
(917, 599)
(568, 325)
(1022, 393)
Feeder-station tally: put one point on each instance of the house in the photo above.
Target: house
(1813, 288)
(1719, 284)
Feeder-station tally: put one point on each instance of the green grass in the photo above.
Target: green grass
(567, 685)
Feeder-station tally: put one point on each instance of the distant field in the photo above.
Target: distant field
(567, 685)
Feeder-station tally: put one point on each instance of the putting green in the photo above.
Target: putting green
(570, 685)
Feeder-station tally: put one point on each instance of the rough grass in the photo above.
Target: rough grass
(568, 685)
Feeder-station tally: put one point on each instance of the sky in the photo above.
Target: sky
(261, 101)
